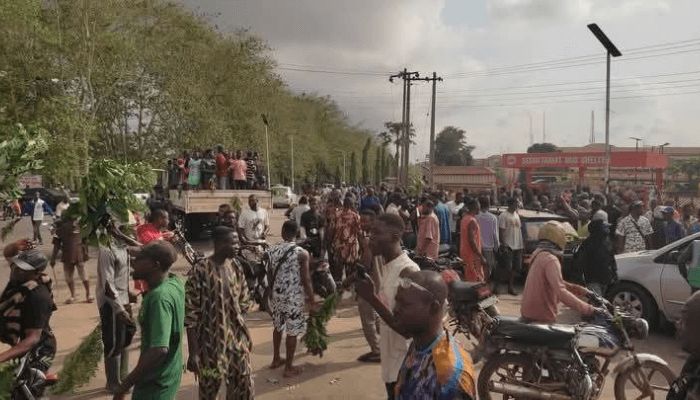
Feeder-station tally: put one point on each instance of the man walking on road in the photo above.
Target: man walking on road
(38, 208)
(385, 240)
(159, 370)
(218, 339)
(291, 291)
(509, 227)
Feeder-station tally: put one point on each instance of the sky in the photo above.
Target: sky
(504, 63)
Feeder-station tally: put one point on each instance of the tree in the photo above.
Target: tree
(21, 153)
(689, 167)
(378, 166)
(542, 148)
(365, 161)
(353, 169)
(451, 147)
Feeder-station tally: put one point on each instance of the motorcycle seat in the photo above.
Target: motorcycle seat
(462, 291)
(518, 330)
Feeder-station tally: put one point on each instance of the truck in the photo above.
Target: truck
(194, 212)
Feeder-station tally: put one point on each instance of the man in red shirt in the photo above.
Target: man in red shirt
(154, 230)
(221, 168)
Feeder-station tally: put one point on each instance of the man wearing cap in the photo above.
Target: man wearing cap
(26, 306)
(158, 373)
(634, 231)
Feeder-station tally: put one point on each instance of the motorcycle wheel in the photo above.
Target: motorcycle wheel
(629, 384)
(507, 368)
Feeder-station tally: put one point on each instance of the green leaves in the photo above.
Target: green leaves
(81, 365)
(107, 192)
(20, 153)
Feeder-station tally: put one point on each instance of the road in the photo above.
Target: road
(335, 376)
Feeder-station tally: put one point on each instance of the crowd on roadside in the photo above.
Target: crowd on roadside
(364, 234)
(216, 169)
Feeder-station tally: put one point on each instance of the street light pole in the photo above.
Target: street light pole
(291, 137)
(612, 51)
(267, 151)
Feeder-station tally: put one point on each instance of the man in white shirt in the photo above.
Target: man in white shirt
(38, 208)
(510, 230)
(254, 223)
(454, 206)
(299, 210)
(385, 241)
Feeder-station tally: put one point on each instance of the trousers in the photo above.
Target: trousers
(370, 324)
(239, 382)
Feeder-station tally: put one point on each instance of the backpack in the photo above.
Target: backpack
(10, 312)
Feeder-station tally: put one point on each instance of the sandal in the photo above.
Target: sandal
(90, 300)
(70, 301)
(370, 357)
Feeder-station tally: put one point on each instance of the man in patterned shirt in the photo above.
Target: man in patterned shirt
(219, 341)
(436, 366)
(634, 231)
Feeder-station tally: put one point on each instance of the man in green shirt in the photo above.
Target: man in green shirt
(159, 370)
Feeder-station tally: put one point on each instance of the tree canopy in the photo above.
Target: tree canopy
(542, 148)
(141, 81)
(451, 147)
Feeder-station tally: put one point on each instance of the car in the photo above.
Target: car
(649, 284)
(282, 196)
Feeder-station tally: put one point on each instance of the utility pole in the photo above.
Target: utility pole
(291, 138)
(532, 137)
(591, 140)
(544, 125)
(407, 77)
(435, 78)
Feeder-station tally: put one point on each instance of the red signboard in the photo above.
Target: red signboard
(620, 159)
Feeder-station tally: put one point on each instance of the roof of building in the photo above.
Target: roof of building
(462, 170)
(668, 150)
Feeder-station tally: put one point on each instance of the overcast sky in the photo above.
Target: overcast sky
(502, 61)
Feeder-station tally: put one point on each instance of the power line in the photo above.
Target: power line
(580, 61)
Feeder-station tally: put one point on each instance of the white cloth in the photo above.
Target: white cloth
(392, 346)
(38, 210)
(392, 209)
(298, 211)
(113, 272)
(60, 208)
(454, 211)
(512, 235)
(600, 215)
(253, 223)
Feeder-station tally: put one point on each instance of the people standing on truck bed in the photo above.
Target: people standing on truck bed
(238, 166)
(251, 169)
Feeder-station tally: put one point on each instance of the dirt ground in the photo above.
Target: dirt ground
(335, 376)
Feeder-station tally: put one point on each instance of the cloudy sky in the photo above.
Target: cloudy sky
(504, 63)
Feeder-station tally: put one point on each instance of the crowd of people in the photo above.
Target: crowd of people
(364, 235)
(216, 169)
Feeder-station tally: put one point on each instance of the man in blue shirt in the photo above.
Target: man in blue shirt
(443, 214)
(371, 202)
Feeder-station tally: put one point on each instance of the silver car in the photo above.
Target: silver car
(650, 285)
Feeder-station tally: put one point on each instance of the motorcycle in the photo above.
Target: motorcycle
(472, 306)
(30, 383)
(183, 246)
(255, 264)
(570, 362)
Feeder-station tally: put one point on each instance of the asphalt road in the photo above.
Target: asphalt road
(335, 376)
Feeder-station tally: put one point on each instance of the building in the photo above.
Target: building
(457, 178)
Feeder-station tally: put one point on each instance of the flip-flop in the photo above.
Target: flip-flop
(369, 357)
(90, 300)
(70, 301)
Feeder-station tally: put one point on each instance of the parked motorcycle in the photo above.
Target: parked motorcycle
(30, 383)
(183, 246)
(255, 264)
(472, 307)
(570, 362)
